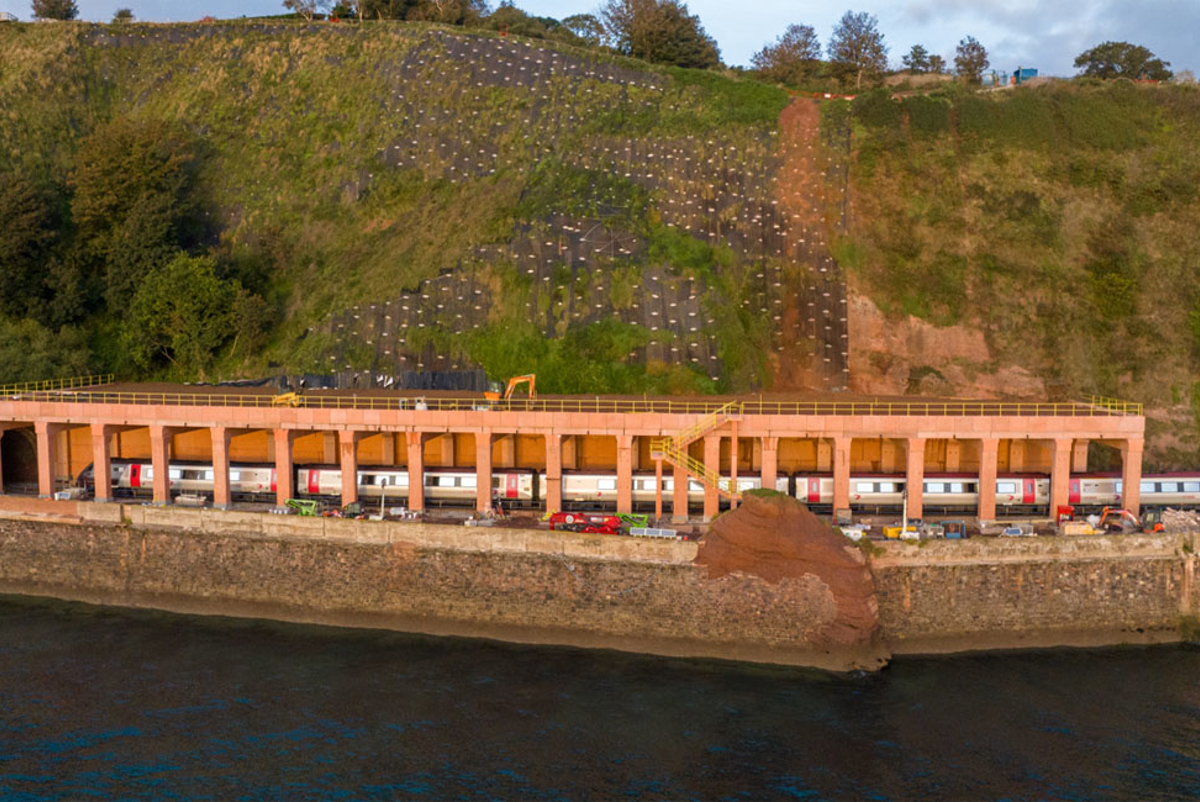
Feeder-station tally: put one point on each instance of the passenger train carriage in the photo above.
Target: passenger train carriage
(869, 493)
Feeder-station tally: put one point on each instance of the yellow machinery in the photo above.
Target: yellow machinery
(513, 384)
(287, 400)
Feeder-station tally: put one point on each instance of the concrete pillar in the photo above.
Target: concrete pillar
(988, 454)
(285, 472)
(841, 473)
(770, 462)
(679, 497)
(47, 437)
(415, 443)
(483, 470)
(1131, 475)
(625, 473)
(914, 477)
(222, 498)
(1079, 457)
(825, 449)
(887, 456)
(733, 464)
(388, 455)
(160, 459)
(953, 456)
(330, 448)
(348, 459)
(554, 460)
(658, 480)
(712, 461)
(508, 450)
(1060, 474)
(102, 462)
(447, 445)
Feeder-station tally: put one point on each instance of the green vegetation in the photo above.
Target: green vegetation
(1061, 220)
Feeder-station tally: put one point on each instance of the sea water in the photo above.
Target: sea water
(100, 703)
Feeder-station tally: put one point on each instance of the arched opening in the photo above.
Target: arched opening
(18, 461)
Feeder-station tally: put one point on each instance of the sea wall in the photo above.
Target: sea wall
(945, 596)
(594, 591)
(524, 586)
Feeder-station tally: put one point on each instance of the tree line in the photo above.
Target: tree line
(665, 32)
(120, 266)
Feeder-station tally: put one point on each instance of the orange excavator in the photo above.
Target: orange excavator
(513, 384)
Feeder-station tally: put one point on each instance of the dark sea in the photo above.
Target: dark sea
(99, 703)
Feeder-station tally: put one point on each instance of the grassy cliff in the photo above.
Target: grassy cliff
(411, 197)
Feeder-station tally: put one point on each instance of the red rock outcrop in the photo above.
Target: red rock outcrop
(776, 538)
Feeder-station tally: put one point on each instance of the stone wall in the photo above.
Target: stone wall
(623, 593)
(508, 584)
(1047, 591)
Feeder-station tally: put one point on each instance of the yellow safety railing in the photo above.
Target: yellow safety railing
(52, 385)
(706, 424)
(1117, 405)
(595, 404)
(678, 457)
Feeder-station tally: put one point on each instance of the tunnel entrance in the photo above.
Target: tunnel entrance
(18, 461)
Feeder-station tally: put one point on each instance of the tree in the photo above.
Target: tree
(970, 59)
(183, 312)
(134, 202)
(937, 64)
(30, 350)
(55, 9)
(661, 31)
(306, 8)
(25, 237)
(123, 15)
(792, 58)
(857, 49)
(917, 60)
(1122, 60)
(586, 27)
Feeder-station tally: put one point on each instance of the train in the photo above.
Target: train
(597, 490)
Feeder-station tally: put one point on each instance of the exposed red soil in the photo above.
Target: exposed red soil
(776, 538)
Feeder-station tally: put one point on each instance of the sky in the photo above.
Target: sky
(1044, 34)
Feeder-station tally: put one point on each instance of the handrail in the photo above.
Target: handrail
(706, 424)
(1097, 407)
(666, 447)
(50, 385)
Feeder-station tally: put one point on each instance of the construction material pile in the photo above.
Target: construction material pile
(1181, 520)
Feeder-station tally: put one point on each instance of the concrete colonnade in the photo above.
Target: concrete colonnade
(1067, 455)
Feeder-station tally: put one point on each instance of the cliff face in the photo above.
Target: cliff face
(421, 198)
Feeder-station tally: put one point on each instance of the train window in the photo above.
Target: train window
(174, 474)
(466, 481)
(864, 487)
(694, 486)
(935, 487)
(668, 484)
(606, 484)
(1148, 487)
(887, 487)
(645, 484)
(366, 479)
(1006, 487)
(208, 476)
(1168, 487)
(1191, 487)
(445, 481)
(147, 473)
(1117, 486)
(956, 487)
(496, 480)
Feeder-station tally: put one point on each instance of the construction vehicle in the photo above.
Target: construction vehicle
(511, 388)
(304, 507)
(1110, 519)
(1152, 521)
(596, 523)
(1118, 520)
(289, 399)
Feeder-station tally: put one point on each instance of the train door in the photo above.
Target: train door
(314, 482)
(273, 483)
(1073, 493)
(511, 489)
(135, 475)
(1030, 492)
(814, 490)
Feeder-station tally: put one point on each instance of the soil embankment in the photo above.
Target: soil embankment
(777, 539)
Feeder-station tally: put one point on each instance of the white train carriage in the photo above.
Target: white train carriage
(442, 485)
(599, 490)
(941, 493)
(136, 478)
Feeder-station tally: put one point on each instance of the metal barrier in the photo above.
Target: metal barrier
(1102, 407)
(49, 385)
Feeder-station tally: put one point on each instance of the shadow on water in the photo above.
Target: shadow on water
(117, 704)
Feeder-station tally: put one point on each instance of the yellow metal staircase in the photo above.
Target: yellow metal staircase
(674, 449)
